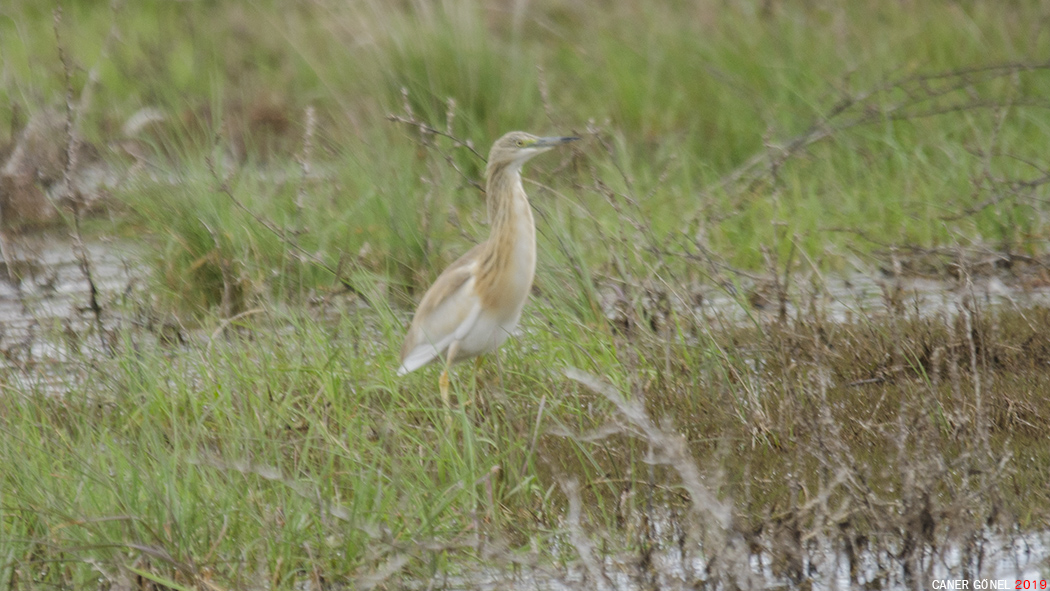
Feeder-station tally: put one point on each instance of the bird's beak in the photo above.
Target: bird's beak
(550, 142)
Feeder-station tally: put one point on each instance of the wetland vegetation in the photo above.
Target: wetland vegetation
(732, 373)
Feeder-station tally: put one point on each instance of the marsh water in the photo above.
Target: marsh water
(46, 311)
(46, 302)
(1004, 564)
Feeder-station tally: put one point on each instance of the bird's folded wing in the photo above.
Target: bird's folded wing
(448, 311)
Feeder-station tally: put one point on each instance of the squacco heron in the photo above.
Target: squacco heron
(476, 303)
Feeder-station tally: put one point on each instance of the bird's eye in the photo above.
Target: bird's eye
(521, 143)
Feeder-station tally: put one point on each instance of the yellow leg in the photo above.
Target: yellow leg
(443, 384)
(450, 357)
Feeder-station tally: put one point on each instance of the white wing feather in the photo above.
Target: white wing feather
(426, 352)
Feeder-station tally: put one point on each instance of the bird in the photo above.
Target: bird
(476, 303)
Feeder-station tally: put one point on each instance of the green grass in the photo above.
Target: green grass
(276, 444)
(286, 447)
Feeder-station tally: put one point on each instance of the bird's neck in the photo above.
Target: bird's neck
(508, 205)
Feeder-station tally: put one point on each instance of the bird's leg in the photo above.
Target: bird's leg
(443, 381)
(443, 384)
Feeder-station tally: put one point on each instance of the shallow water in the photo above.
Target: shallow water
(46, 318)
(1003, 564)
(46, 314)
(837, 299)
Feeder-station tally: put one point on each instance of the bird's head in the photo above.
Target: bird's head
(517, 147)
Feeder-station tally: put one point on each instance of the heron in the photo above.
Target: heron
(476, 303)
